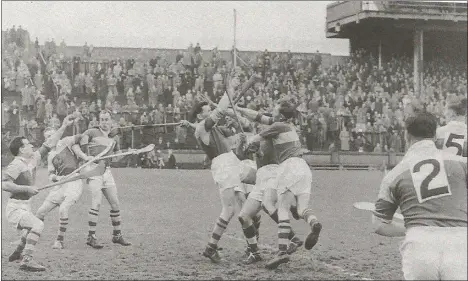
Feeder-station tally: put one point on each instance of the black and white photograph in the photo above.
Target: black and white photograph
(234, 140)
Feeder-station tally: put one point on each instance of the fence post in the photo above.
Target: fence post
(133, 138)
(391, 159)
(335, 157)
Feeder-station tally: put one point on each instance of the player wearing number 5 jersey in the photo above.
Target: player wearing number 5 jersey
(452, 137)
(429, 186)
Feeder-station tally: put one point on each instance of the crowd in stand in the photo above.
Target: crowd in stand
(353, 106)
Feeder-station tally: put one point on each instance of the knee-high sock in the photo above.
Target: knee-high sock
(31, 241)
(218, 231)
(250, 235)
(62, 229)
(284, 229)
(93, 216)
(308, 216)
(22, 243)
(274, 217)
(115, 218)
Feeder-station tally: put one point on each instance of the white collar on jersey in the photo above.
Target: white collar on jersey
(422, 145)
(25, 160)
(457, 123)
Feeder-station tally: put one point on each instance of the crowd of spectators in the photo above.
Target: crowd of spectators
(352, 106)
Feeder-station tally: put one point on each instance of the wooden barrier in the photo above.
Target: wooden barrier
(316, 159)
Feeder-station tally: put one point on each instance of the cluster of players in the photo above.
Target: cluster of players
(429, 185)
(266, 171)
(64, 157)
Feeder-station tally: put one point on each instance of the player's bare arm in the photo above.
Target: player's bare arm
(392, 228)
(253, 115)
(53, 139)
(77, 149)
(78, 152)
(187, 124)
(385, 207)
(9, 186)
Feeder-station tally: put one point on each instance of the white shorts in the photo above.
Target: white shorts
(294, 175)
(266, 179)
(248, 188)
(106, 180)
(16, 210)
(70, 191)
(434, 253)
(248, 171)
(226, 170)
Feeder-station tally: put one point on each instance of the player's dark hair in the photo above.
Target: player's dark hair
(16, 144)
(458, 106)
(197, 109)
(422, 125)
(287, 109)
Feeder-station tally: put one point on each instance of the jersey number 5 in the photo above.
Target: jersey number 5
(451, 143)
(430, 185)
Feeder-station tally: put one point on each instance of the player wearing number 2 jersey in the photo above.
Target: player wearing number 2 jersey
(429, 186)
(452, 137)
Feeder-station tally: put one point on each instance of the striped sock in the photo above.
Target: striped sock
(274, 217)
(62, 229)
(284, 229)
(93, 216)
(218, 231)
(115, 218)
(249, 233)
(31, 242)
(308, 216)
(22, 243)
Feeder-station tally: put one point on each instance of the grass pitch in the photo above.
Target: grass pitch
(168, 215)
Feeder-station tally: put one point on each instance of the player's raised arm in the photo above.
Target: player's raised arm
(255, 116)
(51, 141)
(249, 83)
(385, 208)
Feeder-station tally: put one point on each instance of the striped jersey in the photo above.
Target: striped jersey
(22, 171)
(93, 141)
(452, 138)
(429, 186)
(213, 139)
(285, 139)
(63, 161)
(266, 155)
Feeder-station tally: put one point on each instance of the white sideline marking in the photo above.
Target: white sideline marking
(327, 265)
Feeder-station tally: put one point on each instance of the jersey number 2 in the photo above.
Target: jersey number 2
(451, 143)
(435, 184)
